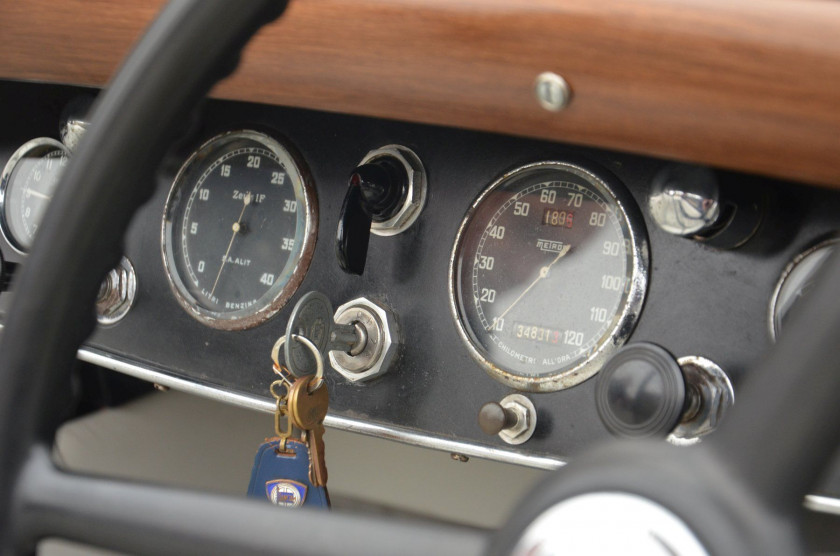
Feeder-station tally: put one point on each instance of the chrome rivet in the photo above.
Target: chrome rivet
(552, 91)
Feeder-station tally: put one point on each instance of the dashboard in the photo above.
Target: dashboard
(691, 297)
(516, 209)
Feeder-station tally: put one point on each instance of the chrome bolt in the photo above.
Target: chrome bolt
(552, 91)
(116, 294)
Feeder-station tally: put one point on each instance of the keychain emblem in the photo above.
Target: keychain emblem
(284, 492)
(289, 469)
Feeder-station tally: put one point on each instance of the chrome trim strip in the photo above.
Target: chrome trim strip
(406, 436)
(822, 504)
(813, 502)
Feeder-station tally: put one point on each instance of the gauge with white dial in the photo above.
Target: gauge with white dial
(27, 185)
(796, 282)
(548, 275)
(239, 230)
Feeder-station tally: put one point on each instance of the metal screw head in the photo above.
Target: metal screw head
(552, 91)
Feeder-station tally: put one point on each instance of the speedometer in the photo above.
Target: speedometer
(239, 230)
(548, 275)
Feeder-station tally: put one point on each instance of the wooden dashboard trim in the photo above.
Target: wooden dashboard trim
(752, 85)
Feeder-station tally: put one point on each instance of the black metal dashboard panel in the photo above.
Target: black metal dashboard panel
(700, 301)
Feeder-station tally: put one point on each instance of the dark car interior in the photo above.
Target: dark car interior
(606, 255)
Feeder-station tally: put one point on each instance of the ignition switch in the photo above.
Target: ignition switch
(377, 340)
(361, 339)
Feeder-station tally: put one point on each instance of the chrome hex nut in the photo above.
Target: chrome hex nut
(415, 196)
(381, 345)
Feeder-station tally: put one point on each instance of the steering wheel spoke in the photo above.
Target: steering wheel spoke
(146, 519)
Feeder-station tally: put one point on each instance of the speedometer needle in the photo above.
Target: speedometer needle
(236, 227)
(543, 273)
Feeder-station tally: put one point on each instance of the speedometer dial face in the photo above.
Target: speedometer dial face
(548, 275)
(28, 183)
(239, 230)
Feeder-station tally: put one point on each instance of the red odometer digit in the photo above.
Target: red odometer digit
(548, 275)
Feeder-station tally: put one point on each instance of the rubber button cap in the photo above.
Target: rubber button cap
(640, 392)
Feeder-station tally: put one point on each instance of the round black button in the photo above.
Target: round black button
(640, 392)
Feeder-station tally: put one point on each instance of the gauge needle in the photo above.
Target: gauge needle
(37, 194)
(543, 273)
(236, 227)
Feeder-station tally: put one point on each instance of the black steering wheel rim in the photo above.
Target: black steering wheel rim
(189, 47)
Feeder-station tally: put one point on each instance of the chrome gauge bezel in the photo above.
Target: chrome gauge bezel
(789, 268)
(296, 166)
(43, 144)
(627, 317)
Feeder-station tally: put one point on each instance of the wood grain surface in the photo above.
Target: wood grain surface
(752, 85)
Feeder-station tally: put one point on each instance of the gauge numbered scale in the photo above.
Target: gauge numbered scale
(27, 185)
(239, 230)
(548, 275)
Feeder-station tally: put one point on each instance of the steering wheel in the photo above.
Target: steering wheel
(737, 493)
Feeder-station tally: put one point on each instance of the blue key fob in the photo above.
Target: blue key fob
(282, 476)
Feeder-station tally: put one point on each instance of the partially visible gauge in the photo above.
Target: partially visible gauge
(239, 230)
(796, 281)
(26, 187)
(548, 275)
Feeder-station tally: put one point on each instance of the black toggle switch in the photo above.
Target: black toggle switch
(376, 192)
(641, 392)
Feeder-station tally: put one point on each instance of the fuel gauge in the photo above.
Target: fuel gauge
(26, 187)
(796, 281)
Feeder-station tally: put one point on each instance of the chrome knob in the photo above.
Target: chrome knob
(116, 293)
(685, 200)
(74, 121)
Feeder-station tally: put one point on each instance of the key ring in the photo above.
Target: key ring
(319, 359)
(276, 384)
(283, 373)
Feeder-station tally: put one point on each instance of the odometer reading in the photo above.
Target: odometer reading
(547, 272)
(558, 218)
(238, 230)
